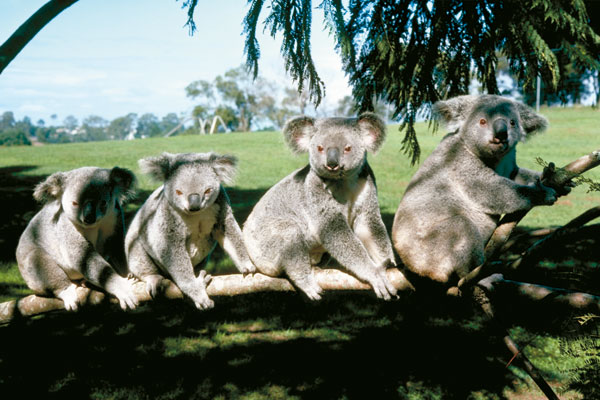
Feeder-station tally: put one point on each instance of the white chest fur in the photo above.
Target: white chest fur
(199, 239)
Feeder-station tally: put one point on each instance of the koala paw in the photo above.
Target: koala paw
(69, 297)
(154, 285)
(247, 268)
(313, 292)
(204, 303)
(550, 196)
(382, 286)
(122, 289)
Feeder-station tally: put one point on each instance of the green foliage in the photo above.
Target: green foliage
(14, 137)
(412, 53)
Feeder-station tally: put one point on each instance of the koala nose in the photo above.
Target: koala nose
(194, 201)
(89, 213)
(500, 129)
(333, 159)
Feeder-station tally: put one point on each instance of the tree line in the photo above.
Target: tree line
(245, 104)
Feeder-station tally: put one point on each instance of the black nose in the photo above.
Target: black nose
(333, 159)
(89, 213)
(500, 129)
(194, 202)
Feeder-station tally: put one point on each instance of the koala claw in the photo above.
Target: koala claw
(128, 302)
(69, 297)
(204, 304)
(383, 287)
(206, 278)
(313, 294)
(249, 268)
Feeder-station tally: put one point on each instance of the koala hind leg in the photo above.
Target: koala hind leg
(43, 275)
(144, 268)
(296, 262)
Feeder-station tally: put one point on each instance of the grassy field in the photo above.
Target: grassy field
(279, 346)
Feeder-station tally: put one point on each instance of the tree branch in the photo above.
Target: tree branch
(23, 35)
(221, 285)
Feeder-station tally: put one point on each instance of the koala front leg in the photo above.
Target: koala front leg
(229, 235)
(370, 229)
(498, 195)
(179, 265)
(343, 245)
(97, 271)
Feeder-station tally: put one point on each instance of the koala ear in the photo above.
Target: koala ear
(297, 132)
(531, 121)
(225, 167)
(124, 182)
(453, 112)
(50, 189)
(157, 167)
(374, 129)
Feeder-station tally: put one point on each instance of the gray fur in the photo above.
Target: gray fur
(316, 209)
(78, 235)
(175, 229)
(453, 203)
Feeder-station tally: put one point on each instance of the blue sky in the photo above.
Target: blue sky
(112, 57)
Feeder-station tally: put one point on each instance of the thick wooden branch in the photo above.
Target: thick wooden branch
(221, 285)
(499, 287)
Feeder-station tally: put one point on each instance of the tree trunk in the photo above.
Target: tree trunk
(30, 28)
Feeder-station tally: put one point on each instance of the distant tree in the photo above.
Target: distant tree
(14, 137)
(229, 116)
(94, 129)
(25, 126)
(70, 123)
(296, 101)
(120, 127)
(169, 121)
(236, 91)
(148, 125)
(7, 120)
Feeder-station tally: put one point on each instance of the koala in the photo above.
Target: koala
(178, 225)
(453, 203)
(329, 206)
(78, 235)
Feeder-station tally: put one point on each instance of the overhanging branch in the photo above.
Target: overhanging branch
(23, 35)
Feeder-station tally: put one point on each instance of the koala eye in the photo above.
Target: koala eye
(75, 203)
(482, 121)
(320, 148)
(179, 192)
(347, 149)
(512, 122)
(208, 191)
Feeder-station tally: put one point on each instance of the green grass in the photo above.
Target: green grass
(269, 346)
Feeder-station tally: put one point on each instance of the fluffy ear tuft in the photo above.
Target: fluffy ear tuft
(454, 112)
(159, 167)
(51, 188)
(374, 129)
(297, 133)
(225, 167)
(531, 121)
(124, 182)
